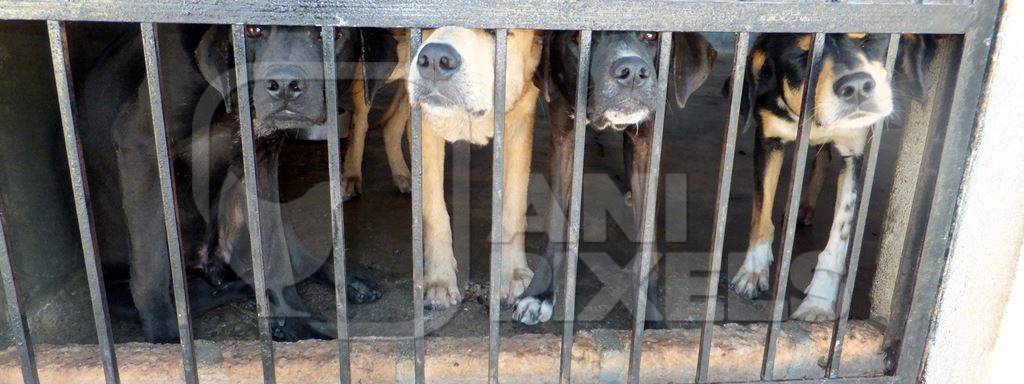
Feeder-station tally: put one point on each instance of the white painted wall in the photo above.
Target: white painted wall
(974, 339)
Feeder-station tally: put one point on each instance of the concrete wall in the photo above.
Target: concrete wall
(971, 340)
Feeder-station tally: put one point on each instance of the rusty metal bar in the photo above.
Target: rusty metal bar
(151, 53)
(497, 202)
(647, 230)
(416, 153)
(252, 202)
(83, 210)
(792, 204)
(739, 67)
(868, 180)
(572, 251)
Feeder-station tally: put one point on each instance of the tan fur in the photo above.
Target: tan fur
(757, 60)
(763, 228)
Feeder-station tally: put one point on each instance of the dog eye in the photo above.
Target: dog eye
(648, 36)
(253, 31)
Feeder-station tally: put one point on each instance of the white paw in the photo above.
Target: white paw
(351, 186)
(815, 309)
(441, 290)
(403, 183)
(753, 276)
(514, 282)
(531, 310)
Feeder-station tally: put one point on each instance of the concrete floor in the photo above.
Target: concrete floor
(378, 235)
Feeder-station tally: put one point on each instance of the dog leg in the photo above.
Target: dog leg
(394, 128)
(638, 158)
(516, 274)
(441, 290)
(352, 170)
(822, 160)
(819, 305)
(753, 276)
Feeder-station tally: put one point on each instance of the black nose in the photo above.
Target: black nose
(855, 87)
(631, 71)
(438, 61)
(285, 83)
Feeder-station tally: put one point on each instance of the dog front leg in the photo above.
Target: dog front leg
(638, 156)
(352, 170)
(822, 160)
(394, 128)
(441, 288)
(819, 305)
(753, 276)
(516, 274)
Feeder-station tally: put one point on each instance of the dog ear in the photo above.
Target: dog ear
(692, 60)
(214, 59)
(910, 62)
(542, 75)
(378, 52)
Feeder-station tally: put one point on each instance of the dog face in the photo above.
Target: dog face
(453, 73)
(852, 90)
(286, 72)
(623, 73)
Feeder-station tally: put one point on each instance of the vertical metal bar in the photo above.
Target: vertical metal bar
(572, 251)
(792, 204)
(16, 318)
(151, 52)
(868, 180)
(80, 189)
(970, 81)
(416, 152)
(497, 201)
(739, 67)
(252, 202)
(337, 204)
(647, 231)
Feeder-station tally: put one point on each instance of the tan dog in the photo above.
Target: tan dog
(452, 81)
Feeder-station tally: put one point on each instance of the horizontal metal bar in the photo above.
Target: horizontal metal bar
(868, 180)
(252, 203)
(849, 380)
(416, 153)
(657, 15)
(739, 68)
(15, 316)
(796, 178)
(497, 202)
(80, 190)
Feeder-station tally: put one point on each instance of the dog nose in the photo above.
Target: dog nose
(855, 87)
(438, 61)
(285, 84)
(631, 70)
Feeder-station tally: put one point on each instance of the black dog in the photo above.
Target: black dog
(623, 81)
(287, 93)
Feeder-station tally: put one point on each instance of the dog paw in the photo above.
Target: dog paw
(753, 276)
(531, 310)
(360, 291)
(351, 187)
(815, 309)
(442, 294)
(514, 282)
(403, 183)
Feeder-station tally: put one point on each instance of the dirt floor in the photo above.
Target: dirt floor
(378, 235)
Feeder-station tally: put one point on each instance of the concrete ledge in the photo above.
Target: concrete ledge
(598, 356)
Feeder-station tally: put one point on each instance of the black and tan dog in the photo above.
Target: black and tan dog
(452, 81)
(623, 80)
(852, 94)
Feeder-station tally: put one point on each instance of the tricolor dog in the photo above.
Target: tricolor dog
(852, 94)
(452, 81)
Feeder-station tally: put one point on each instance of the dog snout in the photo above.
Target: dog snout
(438, 61)
(631, 71)
(285, 83)
(855, 88)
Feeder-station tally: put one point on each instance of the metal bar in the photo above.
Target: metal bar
(970, 81)
(83, 211)
(497, 202)
(252, 202)
(15, 316)
(739, 68)
(647, 230)
(151, 53)
(416, 153)
(572, 251)
(792, 204)
(337, 203)
(648, 15)
(868, 180)
(848, 380)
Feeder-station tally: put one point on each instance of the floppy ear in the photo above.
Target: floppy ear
(214, 58)
(911, 60)
(378, 52)
(542, 75)
(692, 60)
